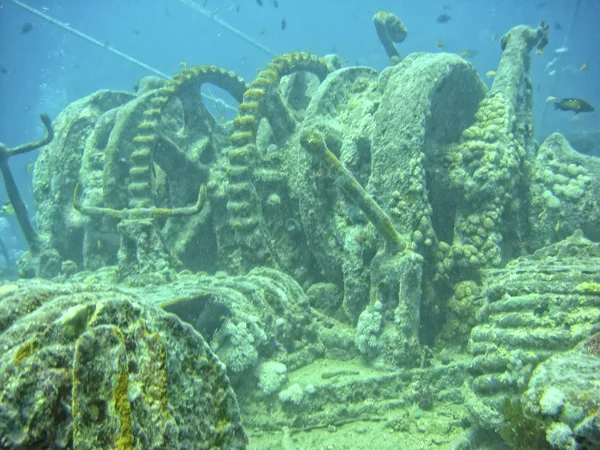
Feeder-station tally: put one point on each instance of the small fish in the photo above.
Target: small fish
(557, 26)
(29, 168)
(490, 73)
(441, 44)
(283, 24)
(7, 209)
(3, 70)
(561, 50)
(468, 54)
(550, 98)
(261, 31)
(443, 18)
(275, 3)
(552, 63)
(136, 32)
(26, 28)
(495, 36)
(182, 65)
(260, 2)
(105, 239)
(552, 73)
(237, 8)
(573, 104)
(584, 67)
(539, 52)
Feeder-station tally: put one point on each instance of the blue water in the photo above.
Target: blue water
(50, 67)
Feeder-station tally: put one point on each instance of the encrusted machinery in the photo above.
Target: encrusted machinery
(536, 307)
(152, 151)
(420, 152)
(143, 255)
(343, 210)
(490, 168)
(390, 30)
(391, 132)
(75, 156)
(149, 133)
(564, 193)
(143, 252)
(175, 142)
(86, 366)
(244, 203)
(247, 319)
(395, 273)
(130, 161)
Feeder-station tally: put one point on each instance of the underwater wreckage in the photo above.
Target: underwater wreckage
(305, 245)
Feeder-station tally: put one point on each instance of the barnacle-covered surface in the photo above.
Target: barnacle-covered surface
(64, 162)
(566, 406)
(565, 193)
(90, 366)
(248, 319)
(359, 254)
(537, 309)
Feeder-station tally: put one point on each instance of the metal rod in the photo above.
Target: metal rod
(10, 185)
(227, 26)
(88, 38)
(125, 56)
